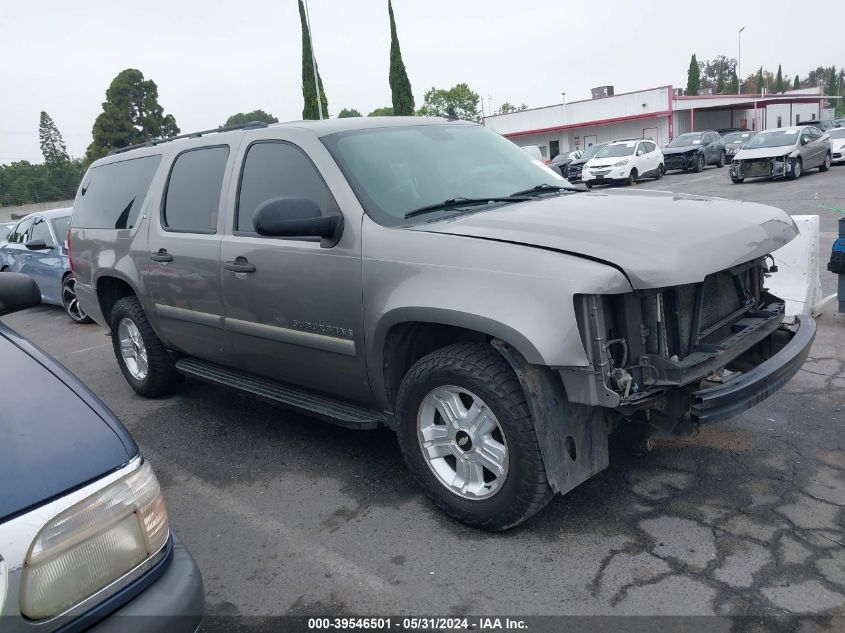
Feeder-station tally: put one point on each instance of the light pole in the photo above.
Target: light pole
(739, 62)
(313, 61)
(563, 94)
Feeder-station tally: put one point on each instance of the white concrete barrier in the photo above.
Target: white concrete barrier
(797, 280)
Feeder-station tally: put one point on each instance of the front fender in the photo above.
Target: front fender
(519, 294)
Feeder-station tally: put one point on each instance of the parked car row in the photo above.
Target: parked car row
(37, 246)
(777, 153)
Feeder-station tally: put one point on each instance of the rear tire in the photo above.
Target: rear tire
(152, 371)
(825, 166)
(71, 304)
(470, 385)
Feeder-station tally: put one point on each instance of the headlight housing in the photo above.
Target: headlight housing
(93, 543)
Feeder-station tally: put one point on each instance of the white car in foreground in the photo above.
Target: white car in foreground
(837, 145)
(624, 162)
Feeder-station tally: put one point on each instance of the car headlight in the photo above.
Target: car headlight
(93, 543)
(621, 163)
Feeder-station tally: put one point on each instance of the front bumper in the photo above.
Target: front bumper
(173, 603)
(750, 388)
(775, 167)
(679, 161)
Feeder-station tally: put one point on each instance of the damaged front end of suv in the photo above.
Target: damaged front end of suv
(670, 359)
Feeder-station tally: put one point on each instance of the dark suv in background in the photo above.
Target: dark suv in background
(693, 151)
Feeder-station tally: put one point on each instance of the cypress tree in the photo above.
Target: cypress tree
(400, 87)
(53, 146)
(733, 86)
(796, 84)
(760, 81)
(310, 110)
(779, 80)
(693, 77)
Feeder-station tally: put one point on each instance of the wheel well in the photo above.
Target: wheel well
(109, 291)
(406, 343)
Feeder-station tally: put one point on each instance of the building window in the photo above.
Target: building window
(780, 121)
(554, 148)
(797, 119)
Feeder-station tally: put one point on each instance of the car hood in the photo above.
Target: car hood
(656, 238)
(51, 440)
(764, 152)
(668, 151)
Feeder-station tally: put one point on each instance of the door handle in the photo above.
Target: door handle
(239, 265)
(162, 256)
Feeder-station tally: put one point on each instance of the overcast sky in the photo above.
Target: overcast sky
(212, 58)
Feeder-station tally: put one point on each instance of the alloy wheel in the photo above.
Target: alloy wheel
(462, 443)
(132, 349)
(71, 302)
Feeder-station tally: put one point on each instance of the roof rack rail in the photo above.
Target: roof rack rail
(252, 125)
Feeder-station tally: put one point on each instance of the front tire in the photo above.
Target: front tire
(632, 178)
(825, 166)
(71, 303)
(722, 159)
(468, 438)
(796, 169)
(588, 185)
(736, 180)
(145, 362)
(699, 166)
(660, 172)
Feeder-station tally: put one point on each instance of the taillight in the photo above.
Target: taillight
(69, 252)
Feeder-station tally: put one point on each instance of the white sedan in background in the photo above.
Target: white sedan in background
(837, 145)
(624, 162)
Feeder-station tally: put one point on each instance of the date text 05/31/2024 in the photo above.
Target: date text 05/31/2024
(479, 624)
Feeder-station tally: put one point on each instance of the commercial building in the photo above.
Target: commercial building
(657, 113)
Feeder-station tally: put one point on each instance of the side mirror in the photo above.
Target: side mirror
(37, 245)
(805, 140)
(17, 292)
(297, 217)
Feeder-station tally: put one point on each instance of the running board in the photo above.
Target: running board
(336, 411)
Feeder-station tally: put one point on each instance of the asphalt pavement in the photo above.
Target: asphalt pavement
(286, 514)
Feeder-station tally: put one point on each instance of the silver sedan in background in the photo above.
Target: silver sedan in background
(784, 152)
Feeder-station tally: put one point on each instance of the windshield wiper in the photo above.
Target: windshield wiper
(543, 188)
(461, 202)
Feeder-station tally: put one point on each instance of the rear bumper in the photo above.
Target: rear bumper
(87, 296)
(725, 401)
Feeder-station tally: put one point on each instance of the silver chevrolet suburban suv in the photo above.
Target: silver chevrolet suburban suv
(428, 276)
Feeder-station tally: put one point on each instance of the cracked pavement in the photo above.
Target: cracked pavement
(289, 515)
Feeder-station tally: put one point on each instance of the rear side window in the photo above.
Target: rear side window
(112, 195)
(192, 201)
(278, 170)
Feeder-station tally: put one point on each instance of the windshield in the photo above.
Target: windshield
(837, 133)
(686, 139)
(617, 149)
(737, 138)
(775, 138)
(395, 170)
(591, 151)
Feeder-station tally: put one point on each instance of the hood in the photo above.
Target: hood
(669, 151)
(51, 441)
(764, 152)
(656, 238)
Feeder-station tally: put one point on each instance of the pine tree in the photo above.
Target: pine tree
(779, 80)
(693, 77)
(53, 147)
(733, 86)
(760, 81)
(797, 83)
(131, 114)
(310, 110)
(720, 81)
(400, 87)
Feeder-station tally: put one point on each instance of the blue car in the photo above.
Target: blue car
(36, 246)
(85, 542)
